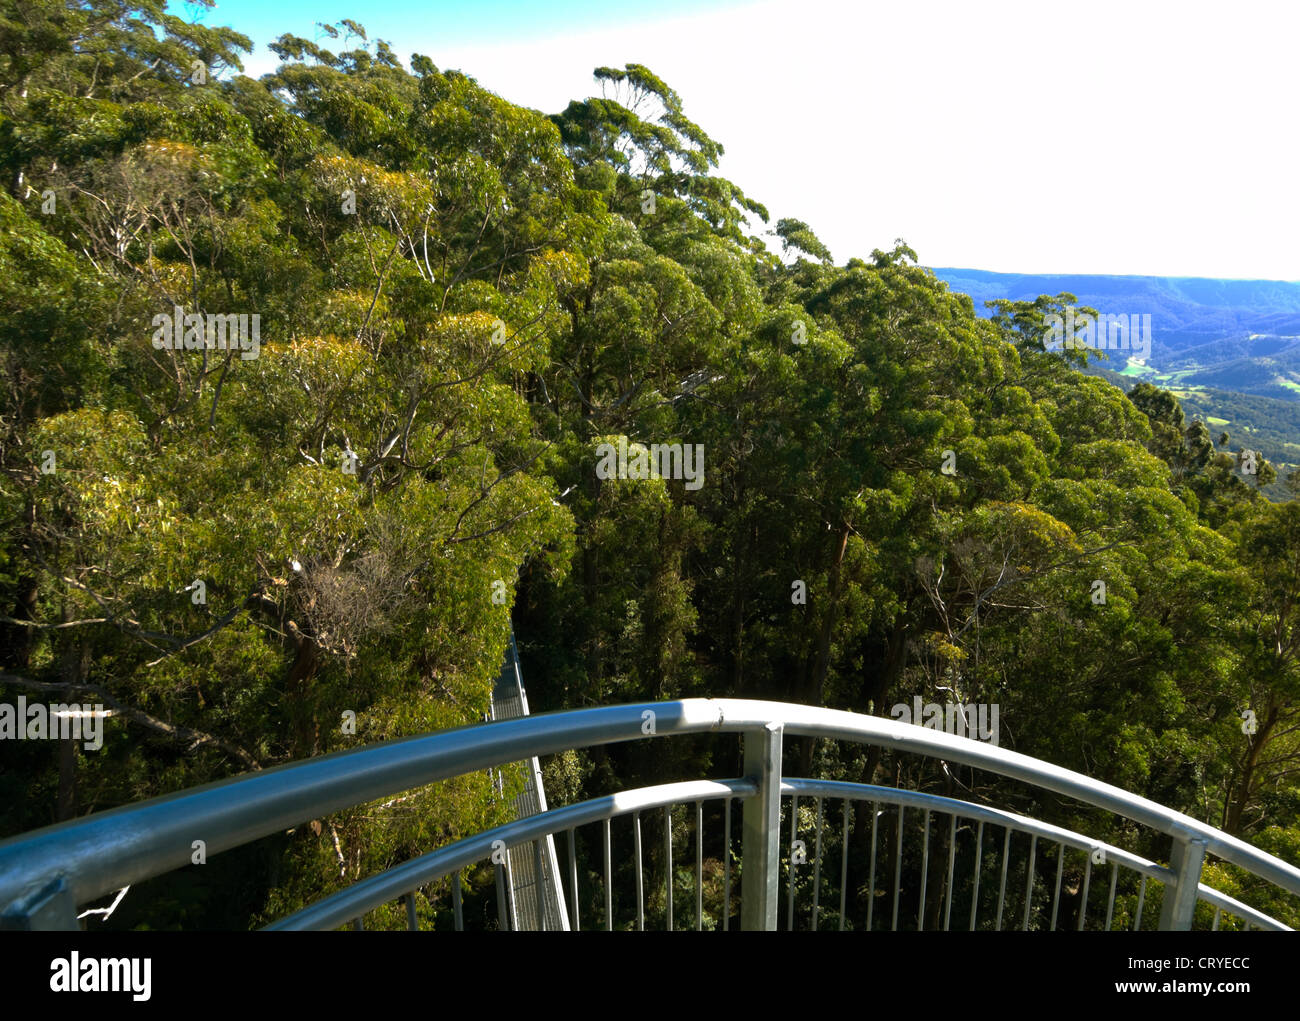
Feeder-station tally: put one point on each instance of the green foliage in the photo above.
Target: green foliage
(459, 300)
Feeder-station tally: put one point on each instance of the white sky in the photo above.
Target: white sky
(1088, 137)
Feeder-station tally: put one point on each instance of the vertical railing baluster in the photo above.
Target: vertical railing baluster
(539, 886)
(640, 887)
(511, 905)
(1056, 897)
(844, 859)
(952, 861)
(726, 865)
(925, 873)
(668, 864)
(609, 885)
(979, 861)
(898, 870)
(1029, 880)
(458, 916)
(871, 901)
(1142, 892)
(1002, 886)
(1110, 898)
(573, 884)
(503, 915)
(794, 831)
(1083, 901)
(412, 923)
(699, 866)
(817, 865)
(1215, 926)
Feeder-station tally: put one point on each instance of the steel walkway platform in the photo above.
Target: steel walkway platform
(510, 701)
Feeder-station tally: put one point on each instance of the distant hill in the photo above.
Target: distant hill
(1232, 335)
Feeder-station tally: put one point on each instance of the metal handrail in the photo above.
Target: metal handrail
(970, 810)
(371, 893)
(839, 789)
(48, 873)
(368, 894)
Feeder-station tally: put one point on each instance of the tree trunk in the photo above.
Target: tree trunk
(298, 689)
(1248, 767)
(814, 691)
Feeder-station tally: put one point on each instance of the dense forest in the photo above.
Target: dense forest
(445, 303)
(1237, 421)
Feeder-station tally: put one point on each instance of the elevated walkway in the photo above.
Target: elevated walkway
(932, 862)
(530, 908)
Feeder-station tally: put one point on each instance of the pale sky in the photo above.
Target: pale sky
(1036, 137)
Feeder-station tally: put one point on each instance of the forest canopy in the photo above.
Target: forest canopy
(454, 301)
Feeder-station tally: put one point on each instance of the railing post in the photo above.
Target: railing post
(1179, 904)
(760, 843)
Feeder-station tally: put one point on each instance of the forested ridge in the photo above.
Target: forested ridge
(458, 300)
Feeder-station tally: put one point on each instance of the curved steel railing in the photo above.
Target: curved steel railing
(47, 874)
(368, 894)
(398, 882)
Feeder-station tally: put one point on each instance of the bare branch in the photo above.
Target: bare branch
(196, 738)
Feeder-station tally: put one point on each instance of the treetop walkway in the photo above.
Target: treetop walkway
(46, 876)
